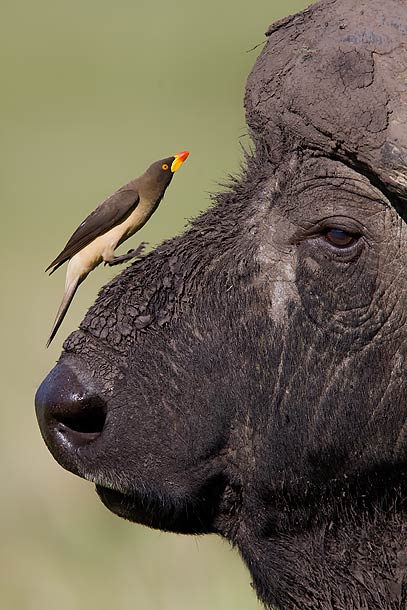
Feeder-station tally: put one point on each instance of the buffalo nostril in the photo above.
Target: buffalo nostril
(89, 418)
(69, 409)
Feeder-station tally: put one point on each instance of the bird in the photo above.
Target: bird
(116, 219)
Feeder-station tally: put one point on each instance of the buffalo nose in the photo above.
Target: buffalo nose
(69, 413)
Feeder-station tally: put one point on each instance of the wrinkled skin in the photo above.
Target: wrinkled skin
(248, 377)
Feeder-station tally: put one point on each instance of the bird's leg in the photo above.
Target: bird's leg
(117, 260)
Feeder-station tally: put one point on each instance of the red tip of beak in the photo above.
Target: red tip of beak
(182, 155)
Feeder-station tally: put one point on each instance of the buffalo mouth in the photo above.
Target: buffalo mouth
(160, 510)
(151, 512)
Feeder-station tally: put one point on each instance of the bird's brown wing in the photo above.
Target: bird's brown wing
(107, 215)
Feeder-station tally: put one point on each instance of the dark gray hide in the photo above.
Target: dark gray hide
(248, 377)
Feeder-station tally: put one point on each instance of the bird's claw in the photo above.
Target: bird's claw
(134, 253)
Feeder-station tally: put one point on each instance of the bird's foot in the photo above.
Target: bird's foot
(118, 260)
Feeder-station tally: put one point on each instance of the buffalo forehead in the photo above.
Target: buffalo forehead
(333, 80)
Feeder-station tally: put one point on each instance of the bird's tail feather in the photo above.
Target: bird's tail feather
(63, 308)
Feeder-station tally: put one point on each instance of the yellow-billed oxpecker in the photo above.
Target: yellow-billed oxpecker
(109, 225)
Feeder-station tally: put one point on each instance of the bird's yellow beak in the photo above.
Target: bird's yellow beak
(179, 160)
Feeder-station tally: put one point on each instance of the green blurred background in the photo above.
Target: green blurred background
(92, 92)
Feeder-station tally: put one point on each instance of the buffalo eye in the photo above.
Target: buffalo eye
(340, 238)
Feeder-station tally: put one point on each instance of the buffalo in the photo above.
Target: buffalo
(247, 377)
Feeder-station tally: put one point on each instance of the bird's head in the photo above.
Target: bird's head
(162, 171)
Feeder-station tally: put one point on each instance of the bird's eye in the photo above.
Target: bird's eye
(340, 238)
(164, 166)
